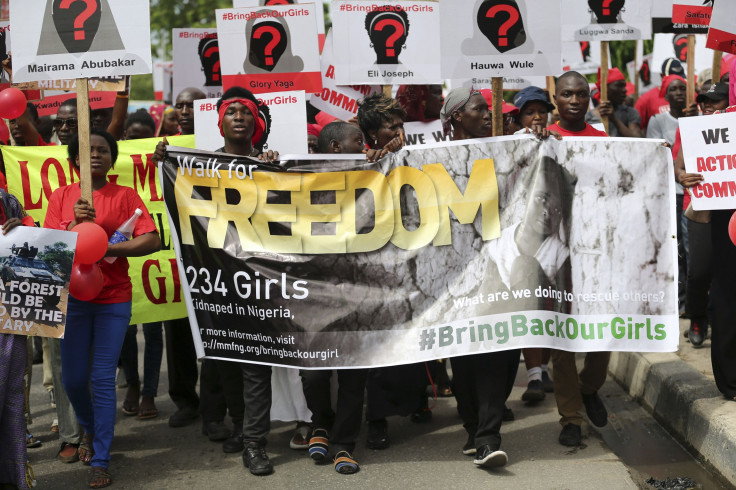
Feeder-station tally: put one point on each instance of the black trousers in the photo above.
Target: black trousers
(181, 362)
(396, 390)
(257, 402)
(699, 270)
(230, 397)
(681, 258)
(723, 298)
(342, 425)
(481, 383)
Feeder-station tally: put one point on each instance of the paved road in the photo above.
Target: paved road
(150, 454)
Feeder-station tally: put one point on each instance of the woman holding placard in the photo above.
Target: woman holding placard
(96, 327)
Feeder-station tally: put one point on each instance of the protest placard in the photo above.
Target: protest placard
(497, 39)
(694, 12)
(340, 101)
(675, 46)
(265, 3)
(509, 83)
(35, 267)
(158, 78)
(605, 20)
(197, 61)
(367, 277)
(422, 133)
(95, 84)
(269, 49)
(662, 20)
(53, 99)
(286, 123)
(648, 79)
(394, 43)
(582, 56)
(72, 39)
(722, 32)
(709, 149)
(33, 173)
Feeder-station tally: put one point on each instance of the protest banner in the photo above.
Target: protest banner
(675, 46)
(265, 3)
(500, 39)
(72, 39)
(269, 49)
(33, 173)
(338, 101)
(191, 45)
(722, 32)
(158, 78)
(35, 267)
(427, 253)
(709, 149)
(694, 12)
(662, 20)
(286, 123)
(605, 20)
(394, 43)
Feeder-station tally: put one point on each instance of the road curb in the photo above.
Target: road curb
(685, 402)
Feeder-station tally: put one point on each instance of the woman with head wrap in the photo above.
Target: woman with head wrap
(466, 114)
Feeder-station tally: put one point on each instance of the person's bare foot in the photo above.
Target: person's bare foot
(130, 404)
(148, 408)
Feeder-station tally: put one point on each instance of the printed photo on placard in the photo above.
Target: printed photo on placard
(390, 43)
(197, 61)
(675, 46)
(695, 11)
(500, 38)
(266, 3)
(606, 20)
(269, 49)
(581, 56)
(722, 32)
(340, 101)
(284, 115)
(62, 39)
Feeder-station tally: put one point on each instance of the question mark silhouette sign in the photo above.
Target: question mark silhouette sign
(275, 39)
(398, 32)
(216, 67)
(504, 29)
(606, 7)
(81, 18)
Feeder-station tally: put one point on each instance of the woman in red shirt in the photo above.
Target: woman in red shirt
(95, 329)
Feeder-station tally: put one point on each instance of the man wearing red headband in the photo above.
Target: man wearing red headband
(623, 120)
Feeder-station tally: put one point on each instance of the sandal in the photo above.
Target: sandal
(149, 413)
(99, 477)
(318, 445)
(345, 464)
(130, 404)
(85, 451)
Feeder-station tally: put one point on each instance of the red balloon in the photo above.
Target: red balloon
(91, 243)
(86, 281)
(732, 228)
(12, 103)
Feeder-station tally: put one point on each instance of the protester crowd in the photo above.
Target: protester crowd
(82, 388)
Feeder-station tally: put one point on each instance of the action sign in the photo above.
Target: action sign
(392, 43)
(500, 38)
(722, 32)
(270, 49)
(266, 3)
(709, 149)
(197, 44)
(80, 39)
(696, 12)
(607, 20)
(286, 123)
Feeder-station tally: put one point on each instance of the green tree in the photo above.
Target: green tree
(58, 257)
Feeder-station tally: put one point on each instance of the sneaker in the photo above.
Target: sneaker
(488, 458)
(256, 459)
(183, 417)
(570, 435)
(68, 453)
(697, 333)
(31, 441)
(300, 439)
(234, 444)
(547, 383)
(469, 448)
(534, 392)
(595, 409)
(52, 398)
(378, 434)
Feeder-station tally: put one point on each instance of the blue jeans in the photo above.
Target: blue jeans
(89, 357)
(152, 354)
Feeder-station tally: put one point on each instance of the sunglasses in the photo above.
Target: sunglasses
(71, 122)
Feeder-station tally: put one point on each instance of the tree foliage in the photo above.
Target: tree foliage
(58, 257)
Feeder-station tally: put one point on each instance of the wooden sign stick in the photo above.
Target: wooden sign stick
(717, 58)
(83, 116)
(691, 69)
(497, 111)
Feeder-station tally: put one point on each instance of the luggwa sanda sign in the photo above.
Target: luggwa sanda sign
(434, 252)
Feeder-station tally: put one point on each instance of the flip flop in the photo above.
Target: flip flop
(129, 409)
(151, 413)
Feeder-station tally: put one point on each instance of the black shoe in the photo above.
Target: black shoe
(234, 443)
(378, 434)
(183, 417)
(534, 392)
(547, 383)
(256, 459)
(469, 448)
(422, 416)
(595, 409)
(697, 333)
(488, 458)
(570, 435)
(215, 431)
(508, 415)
